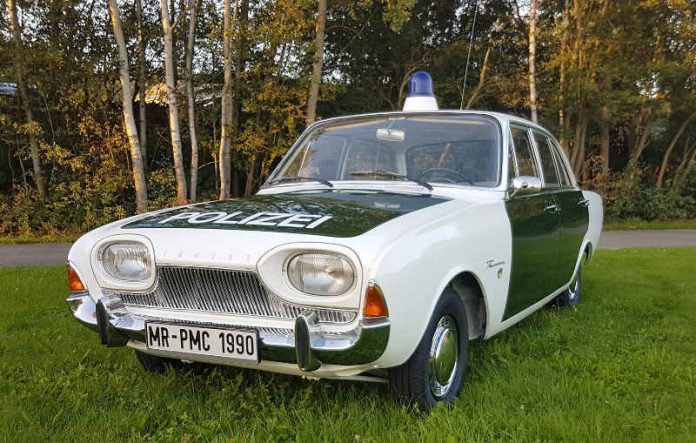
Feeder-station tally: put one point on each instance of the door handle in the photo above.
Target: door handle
(552, 207)
(584, 202)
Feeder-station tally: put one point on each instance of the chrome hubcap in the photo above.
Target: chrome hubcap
(444, 356)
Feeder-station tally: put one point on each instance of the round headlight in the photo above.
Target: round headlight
(321, 274)
(127, 261)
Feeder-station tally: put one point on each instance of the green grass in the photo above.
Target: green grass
(636, 223)
(620, 367)
(23, 239)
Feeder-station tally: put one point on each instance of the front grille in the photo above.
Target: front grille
(223, 291)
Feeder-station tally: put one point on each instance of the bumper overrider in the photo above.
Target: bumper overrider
(308, 347)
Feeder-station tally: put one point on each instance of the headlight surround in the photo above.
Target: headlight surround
(126, 261)
(321, 273)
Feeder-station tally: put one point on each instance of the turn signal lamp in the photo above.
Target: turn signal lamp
(375, 306)
(74, 282)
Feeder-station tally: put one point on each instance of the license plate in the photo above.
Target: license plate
(226, 343)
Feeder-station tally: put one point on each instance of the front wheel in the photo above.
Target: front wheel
(435, 371)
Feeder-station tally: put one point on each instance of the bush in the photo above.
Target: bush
(632, 194)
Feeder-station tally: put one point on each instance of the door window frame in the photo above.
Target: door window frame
(534, 152)
(554, 157)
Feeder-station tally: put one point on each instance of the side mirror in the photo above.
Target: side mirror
(525, 185)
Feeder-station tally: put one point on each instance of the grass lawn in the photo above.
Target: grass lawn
(621, 367)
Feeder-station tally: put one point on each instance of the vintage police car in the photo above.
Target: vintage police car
(379, 247)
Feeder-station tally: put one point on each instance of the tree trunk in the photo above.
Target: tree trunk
(142, 81)
(562, 79)
(604, 133)
(317, 64)
(688, 159)
(24, 98)
(174, 130)
(191, 99)
(128, 116)
(578, 158)
(642, 139)
(670, 148)
(532, 58)
(251, 169)
(227, 101)
(482, 80)
(605, 128)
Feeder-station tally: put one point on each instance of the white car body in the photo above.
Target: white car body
(465, 239)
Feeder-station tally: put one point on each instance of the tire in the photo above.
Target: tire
(571, 296)
(156, 364)
(416, 382)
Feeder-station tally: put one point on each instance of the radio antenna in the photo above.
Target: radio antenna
(468, 54)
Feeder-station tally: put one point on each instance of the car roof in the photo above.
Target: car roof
(507, 118)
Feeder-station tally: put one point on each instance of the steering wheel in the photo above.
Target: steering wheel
(458, 174)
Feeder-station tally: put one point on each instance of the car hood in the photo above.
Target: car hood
(332, 213)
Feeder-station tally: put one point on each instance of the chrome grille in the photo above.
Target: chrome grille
(224, 291)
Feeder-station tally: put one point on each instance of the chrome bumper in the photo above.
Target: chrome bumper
(307, 346)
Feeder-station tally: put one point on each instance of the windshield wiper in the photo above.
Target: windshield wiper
(299, 178)
(391, 175)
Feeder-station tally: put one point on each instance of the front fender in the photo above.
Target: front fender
(414, 271)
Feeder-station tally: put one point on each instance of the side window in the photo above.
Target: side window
(523, 152)
(562, 170)
(548, 163)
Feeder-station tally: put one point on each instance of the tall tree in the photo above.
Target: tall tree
(142, 80)
(533, 7)
(670, 148)
(128, 116)
(225, 161)
(174, 130)
(24, 97)
(317, 63)
(191, 99)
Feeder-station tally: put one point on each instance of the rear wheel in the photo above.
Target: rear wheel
(571, 296)
(435, 371)
(156, 364)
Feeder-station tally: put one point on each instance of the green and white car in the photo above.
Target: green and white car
(379, 247)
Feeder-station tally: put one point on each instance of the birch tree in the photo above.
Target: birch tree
(317, 63)
(225, 162)
(174, 130)
(24, 98)
(142, 80)
(128, 116)
(534, 5)
(191, 99)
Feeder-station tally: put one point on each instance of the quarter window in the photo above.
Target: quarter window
(523, 153)
(548, 164)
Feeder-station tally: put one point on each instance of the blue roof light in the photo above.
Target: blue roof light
(420, 84)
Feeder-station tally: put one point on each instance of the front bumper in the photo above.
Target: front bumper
(306, 346)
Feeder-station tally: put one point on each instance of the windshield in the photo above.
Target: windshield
(451, 149)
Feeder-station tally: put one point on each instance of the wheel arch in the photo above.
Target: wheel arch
(469, 289)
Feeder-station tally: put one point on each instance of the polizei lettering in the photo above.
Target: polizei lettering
(304, 221)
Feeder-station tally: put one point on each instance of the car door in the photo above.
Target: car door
(535, 221)
(575, 215)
